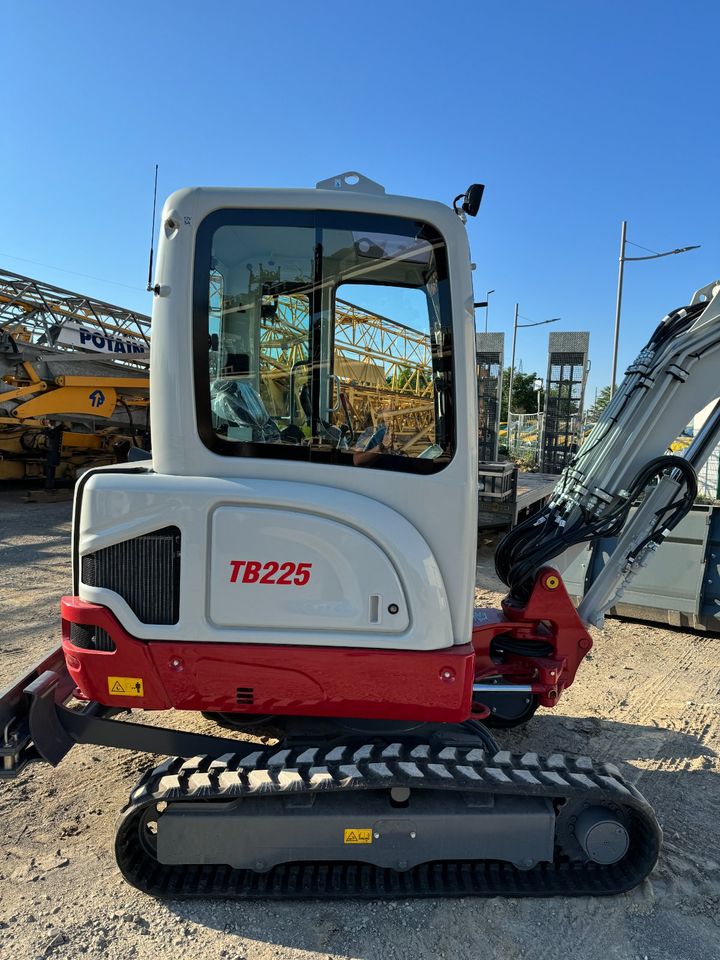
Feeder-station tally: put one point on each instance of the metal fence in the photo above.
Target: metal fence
(523, 435)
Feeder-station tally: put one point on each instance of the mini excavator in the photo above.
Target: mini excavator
(277, 565)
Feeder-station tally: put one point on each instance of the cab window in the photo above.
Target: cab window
(326, 337)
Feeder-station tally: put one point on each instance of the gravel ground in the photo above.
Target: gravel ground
(647, 698)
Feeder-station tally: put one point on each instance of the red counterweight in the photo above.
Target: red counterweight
(288, 680)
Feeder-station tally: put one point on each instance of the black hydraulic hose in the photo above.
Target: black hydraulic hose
(504, 552)
(675, 322)
(543, 536)
(677, 510)
(522, 552)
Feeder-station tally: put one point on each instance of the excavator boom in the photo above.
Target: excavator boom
(623, 464)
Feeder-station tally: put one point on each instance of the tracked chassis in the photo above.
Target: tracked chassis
(385, 820)
(370, 815)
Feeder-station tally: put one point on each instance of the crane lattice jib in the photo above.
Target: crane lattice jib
(403, 351)
(360, 335)
(383, 365)
(32, 310)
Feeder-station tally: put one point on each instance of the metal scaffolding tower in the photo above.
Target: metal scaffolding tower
(489, 349)
(564, 396)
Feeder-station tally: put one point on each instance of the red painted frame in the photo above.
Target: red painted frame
(550, 617)
(286, 680)
(319, 681)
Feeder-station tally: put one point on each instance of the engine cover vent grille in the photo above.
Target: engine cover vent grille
(90, 638)
(144, 571)
(245, 695)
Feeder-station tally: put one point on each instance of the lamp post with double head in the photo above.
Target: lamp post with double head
(516, 326)
(618, 304)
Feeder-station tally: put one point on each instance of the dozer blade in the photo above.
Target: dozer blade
(16, 743)
(36, 724)
(385, 820)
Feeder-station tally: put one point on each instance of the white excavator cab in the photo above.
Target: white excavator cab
(288, 450)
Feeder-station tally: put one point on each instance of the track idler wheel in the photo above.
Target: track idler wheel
(602, 835)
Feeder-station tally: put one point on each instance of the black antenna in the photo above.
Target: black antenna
(152, 235)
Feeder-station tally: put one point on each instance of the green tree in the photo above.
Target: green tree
(601, 401)
(524, 398)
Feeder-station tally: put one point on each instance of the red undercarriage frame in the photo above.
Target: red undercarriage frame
(431, 686)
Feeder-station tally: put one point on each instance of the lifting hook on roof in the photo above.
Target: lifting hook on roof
(351, 180)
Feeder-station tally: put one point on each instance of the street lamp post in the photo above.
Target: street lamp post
(618, 304)
(487, 307)
(516, 325)
(512, 369)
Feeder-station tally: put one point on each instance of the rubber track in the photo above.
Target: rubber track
(377, 766)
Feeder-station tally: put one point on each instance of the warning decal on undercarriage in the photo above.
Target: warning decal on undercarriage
(357, 836)
(125, 686)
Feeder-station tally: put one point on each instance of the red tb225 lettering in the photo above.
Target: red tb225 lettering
(253, 571)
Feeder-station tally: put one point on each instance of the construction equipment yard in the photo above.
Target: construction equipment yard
(654, 712)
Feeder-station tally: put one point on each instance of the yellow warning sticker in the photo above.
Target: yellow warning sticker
(357, 836)
(125, 686)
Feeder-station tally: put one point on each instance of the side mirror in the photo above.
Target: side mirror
(473, 199)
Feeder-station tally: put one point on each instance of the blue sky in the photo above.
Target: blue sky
(574, 114)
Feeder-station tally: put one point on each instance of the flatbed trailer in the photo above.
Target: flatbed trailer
(507, 496)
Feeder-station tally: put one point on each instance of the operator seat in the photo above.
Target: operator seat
(236, 402)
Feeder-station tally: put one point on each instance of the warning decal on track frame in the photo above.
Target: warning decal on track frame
(360, 835)
(125, 686)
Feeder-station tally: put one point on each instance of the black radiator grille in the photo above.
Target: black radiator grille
(245, 695)
(144, 571)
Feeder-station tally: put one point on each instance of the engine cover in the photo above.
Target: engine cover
(286, 569)
(218, 560)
